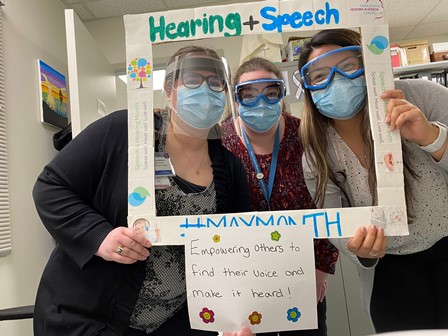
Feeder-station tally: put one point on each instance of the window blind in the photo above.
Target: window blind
(5, 229)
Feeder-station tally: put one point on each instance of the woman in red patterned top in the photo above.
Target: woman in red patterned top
(269, 147)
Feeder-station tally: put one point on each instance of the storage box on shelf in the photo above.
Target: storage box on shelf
(398, 55)
(438, 52)
(417, 52)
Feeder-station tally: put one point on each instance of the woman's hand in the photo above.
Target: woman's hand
(125, 246)
(369, 243)
(409, 119)
(321, 285)
(245, 331)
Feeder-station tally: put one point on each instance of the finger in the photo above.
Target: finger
(138, 237)
(392, 94)
(394, 108)
(368, 241)
(133, 249)
(355, 243)
(383, 247)
(245, 331)
(378, 246)
(123, 259)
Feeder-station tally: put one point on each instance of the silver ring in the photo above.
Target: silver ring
(374, 254)
(120, 249)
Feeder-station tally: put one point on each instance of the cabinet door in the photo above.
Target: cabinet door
(345, 315)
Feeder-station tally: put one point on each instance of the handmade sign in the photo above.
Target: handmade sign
(264, 279)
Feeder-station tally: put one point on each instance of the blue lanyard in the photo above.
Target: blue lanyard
(267, 191)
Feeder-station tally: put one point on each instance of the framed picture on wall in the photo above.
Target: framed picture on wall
(53, 96)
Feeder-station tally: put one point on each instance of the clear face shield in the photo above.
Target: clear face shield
(196, 95)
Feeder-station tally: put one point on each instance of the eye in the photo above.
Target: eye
(348, 64)
(318, 76)
(272, 92)
(248, 93)
(191, 79)
(216, 83)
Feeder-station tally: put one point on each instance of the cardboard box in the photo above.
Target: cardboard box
(439, 56)
(438, 47)
(417, 52)
(294, 47)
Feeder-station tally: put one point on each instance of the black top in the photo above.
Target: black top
(81, 195)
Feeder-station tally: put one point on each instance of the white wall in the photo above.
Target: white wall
(32, 30)
(91, 77)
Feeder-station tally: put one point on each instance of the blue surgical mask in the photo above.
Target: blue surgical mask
(261, 117)
(342, 99)
(201, 107)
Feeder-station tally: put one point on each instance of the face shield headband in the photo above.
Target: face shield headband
(186, 70)
(247, 94)
(316, 74)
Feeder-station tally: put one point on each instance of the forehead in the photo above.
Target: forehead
(258, 74)
(332, 59)
(322, 50)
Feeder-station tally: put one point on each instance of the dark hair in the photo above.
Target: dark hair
(339, 37)
(254, 64)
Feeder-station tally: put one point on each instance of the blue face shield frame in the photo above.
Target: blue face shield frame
(318, 78)
(272, 93)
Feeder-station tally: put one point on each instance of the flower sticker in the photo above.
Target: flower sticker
(275, 235)
(255, 318)
(293, 314)
(216, 238)
(207, 315)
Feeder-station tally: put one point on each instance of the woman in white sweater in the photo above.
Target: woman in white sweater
(402, 278)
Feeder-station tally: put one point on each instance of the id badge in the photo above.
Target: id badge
(162, 165)
(162, 182)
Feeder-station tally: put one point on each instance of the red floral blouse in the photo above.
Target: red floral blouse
(289, 190)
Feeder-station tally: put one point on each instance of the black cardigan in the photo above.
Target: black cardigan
(81, 195)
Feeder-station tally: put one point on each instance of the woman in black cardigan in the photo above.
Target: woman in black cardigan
(102, 277)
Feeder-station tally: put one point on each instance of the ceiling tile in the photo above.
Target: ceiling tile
(404, 16)
(112, 8)
(439, 14)
(402, 13)
(430, 29)
(399, 33)
(83, 13)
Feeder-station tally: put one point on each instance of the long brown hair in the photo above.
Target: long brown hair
(314, 124)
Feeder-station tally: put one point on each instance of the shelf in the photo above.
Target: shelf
(420, 67)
